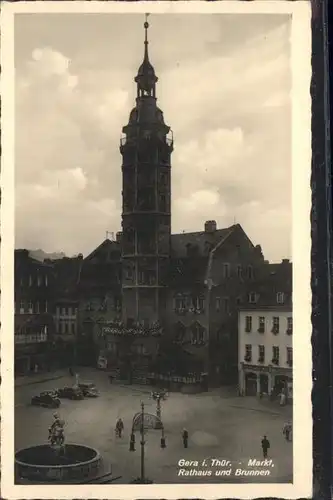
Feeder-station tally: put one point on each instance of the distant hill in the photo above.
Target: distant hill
(41, 255)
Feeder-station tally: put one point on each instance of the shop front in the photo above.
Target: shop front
(265, 380)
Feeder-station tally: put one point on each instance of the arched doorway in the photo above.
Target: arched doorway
(250, 384)
(263, 383)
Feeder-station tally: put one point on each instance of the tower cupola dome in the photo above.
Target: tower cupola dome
(146, 78)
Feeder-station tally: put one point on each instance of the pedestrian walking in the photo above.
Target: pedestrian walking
(185, 438)
(119, 427)
(287, 430)
(132, 442)
(282, 399)
(265, 445)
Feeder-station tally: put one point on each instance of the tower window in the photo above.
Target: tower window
(163, 180)
(226, 270)
(163, 203)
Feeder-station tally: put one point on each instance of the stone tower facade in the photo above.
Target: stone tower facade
(146, 204)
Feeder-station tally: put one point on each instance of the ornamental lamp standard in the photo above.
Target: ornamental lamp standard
(152, 420)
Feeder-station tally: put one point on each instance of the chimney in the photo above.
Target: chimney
(119, 236)
(210, 226)
(285, 261)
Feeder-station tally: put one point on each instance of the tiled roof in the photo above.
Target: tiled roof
(188, 271)
(67, 273)
(272, 279)
(202, 240)
(103, 275)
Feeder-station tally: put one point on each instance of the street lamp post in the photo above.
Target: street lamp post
(142, 443)
(158, 407)
(140, 417)
(209, 285)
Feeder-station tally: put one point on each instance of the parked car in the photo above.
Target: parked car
(89, 389)
(52, 392)
(70, 393)
(46, 400)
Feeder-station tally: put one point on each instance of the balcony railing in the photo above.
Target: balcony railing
(34, 338)
(125, 140)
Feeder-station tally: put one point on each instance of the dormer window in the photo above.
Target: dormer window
(280, 298)
(253, 298)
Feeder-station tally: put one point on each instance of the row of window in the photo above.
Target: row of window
(39, 280)
(221, 303)
(265, 325)
(253, 298)
(66, 327)
(275, 360)
(103, 306)
(32, 307)
(31, 338)
(242, 272)
(136, 349)
(66, 311)
(183, 303)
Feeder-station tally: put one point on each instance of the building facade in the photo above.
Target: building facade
(33, 322)
(170, 301)
(65, 307)
(265, 330)
(99, 297)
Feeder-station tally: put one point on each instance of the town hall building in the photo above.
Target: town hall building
(152, 301)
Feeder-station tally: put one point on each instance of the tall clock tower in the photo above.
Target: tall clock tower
(146, 204)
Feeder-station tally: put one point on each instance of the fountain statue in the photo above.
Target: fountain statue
(56, 432)
(56, 463)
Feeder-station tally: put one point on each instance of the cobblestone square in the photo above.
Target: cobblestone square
(221, 426)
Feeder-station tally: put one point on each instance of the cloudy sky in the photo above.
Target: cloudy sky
(224, 86)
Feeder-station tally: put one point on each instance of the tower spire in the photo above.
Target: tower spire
(146, 26)
(146, 78)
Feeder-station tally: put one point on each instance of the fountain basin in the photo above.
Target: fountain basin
(44, 464)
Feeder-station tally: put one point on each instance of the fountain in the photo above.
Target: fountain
(57, 462)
